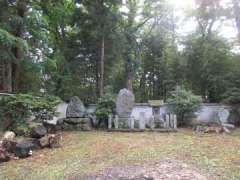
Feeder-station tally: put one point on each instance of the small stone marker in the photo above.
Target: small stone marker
(174, 121)
(110, 121)
(142, 121)
(131, 122)
(167, 122)
(151, 122)
(171, 121)
(116, 119)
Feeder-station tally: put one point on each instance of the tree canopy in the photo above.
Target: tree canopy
(90, 48)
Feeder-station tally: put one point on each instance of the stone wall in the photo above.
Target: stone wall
(206, 113)
(213, 112)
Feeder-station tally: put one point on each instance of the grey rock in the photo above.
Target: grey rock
(3, 155)
(60, 121)
(50, 122)
(9, 135)
(125, 103)
(54, 125)
(50, 140)
(75, 108)
(24, 148)
(68, 127)
(84, 127)
(9, 145)
(230, 126)
(38, 131)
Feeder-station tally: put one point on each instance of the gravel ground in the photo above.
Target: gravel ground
(165, 170)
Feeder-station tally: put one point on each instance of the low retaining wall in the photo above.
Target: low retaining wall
(207, 112)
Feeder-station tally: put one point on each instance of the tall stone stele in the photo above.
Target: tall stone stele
(124, 106)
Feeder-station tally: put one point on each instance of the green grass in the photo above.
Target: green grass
(85, 152)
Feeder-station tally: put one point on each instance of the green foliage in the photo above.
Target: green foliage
(21, 128)
(65, 41)
(105, 107)
(18, 108)
(9, 41)
(184, 102)
(207, 65)
(232, 96)
(31, 76)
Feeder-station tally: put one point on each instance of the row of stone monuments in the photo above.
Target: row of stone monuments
(77, 117)
(170, 122)
(123, 119)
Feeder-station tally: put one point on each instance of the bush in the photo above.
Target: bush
(105, 107)
(18, 108)
(184, 102)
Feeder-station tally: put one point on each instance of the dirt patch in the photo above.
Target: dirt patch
(165, 170)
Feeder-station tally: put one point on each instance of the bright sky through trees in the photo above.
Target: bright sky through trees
(185, 25)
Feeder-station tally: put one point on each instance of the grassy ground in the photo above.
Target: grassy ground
(85, 152)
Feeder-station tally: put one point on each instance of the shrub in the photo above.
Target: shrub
(184, 102)
(18, 108)
(105, 107)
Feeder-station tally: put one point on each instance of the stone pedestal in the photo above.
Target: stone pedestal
(83, 124)
(124, 122)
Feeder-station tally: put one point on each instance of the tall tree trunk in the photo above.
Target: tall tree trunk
(143, 86)
(129, 74)
(8, 78)
(97, 77)
(130, 79)
(102, 62)
(3, 77)
(21, 10)
(236, 6)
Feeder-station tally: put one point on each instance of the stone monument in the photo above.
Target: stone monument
(142, 121)
(76, 116)
(124, 105)
(75, 108)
